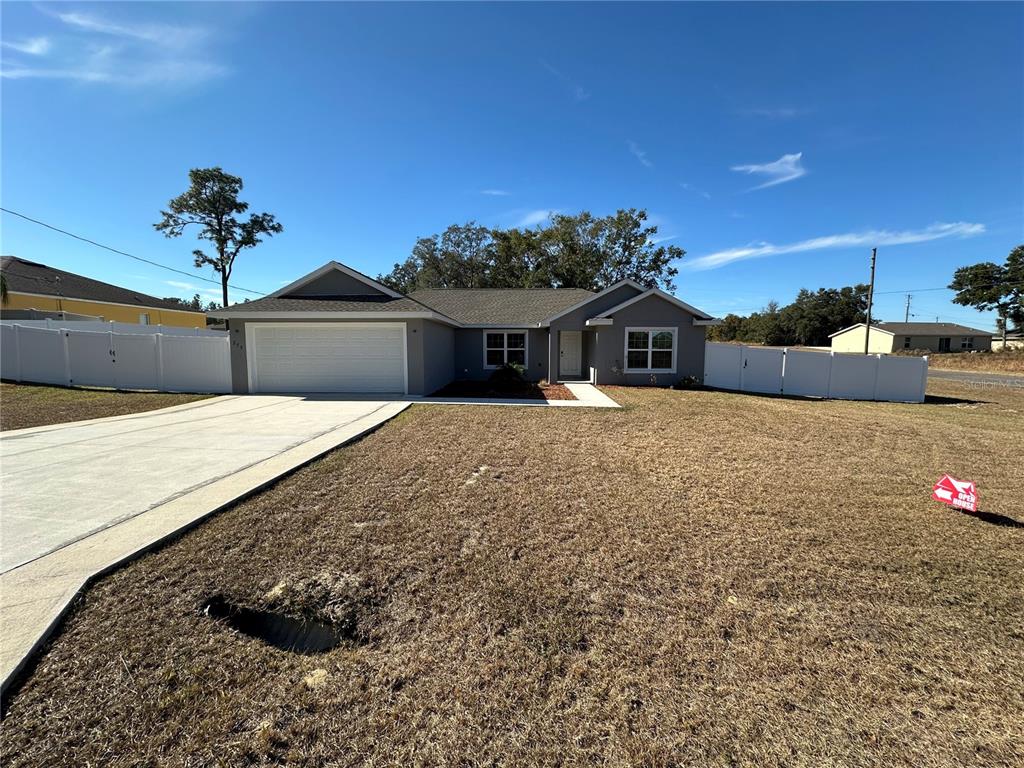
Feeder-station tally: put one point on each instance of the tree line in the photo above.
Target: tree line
(808, 320)
(569, 251)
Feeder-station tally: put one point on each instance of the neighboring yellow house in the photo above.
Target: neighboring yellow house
(886, 338)
(31, 285)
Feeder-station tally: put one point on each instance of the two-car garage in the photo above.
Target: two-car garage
(327, 357)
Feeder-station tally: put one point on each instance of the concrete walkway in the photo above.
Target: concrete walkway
(80, 499)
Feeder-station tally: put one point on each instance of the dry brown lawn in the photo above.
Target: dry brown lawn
(702, 578)
(35, 405)
(1010, 361)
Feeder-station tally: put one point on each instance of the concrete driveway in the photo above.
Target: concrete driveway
(64, 482)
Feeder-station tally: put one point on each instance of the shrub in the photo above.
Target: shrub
(508, 375)
(687, 382)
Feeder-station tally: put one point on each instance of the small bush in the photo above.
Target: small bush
(687, 382)
(509, 374)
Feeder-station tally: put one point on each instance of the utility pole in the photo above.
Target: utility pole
(871, 295)
(906, 314)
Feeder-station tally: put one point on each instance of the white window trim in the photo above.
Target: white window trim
(506, 332)
(674, 330)
(966, 342)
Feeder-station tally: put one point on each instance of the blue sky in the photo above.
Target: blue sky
(775, 143)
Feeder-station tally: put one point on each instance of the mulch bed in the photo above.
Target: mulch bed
(528, 390)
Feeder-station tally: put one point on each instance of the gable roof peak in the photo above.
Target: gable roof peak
(332, 266)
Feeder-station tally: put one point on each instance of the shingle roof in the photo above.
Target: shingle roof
(31, 277)
(500, 306)
(361, 303)
(931, 329)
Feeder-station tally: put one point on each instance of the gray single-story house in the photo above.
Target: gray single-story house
(337, 330)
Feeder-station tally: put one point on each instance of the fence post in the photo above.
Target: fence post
(828, 381)
(17, 353)
(160, 362)
(924, 379)
(878, 367)
(65, 335)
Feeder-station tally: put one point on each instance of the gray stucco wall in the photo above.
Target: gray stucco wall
(610, 342)
(469, 353)
(438, 359)
(576, 321)
(335, 283)
(427, 372)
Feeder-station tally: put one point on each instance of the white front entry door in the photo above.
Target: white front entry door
(326, 357)
(570, 353)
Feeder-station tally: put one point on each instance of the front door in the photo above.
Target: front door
(944, 344)
(570, 353)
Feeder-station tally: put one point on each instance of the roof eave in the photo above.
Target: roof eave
(313, 315)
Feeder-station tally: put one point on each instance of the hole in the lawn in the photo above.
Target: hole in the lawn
(276, 629)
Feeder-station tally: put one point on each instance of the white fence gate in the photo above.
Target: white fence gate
(168, 363)
(815, 374)
(116, 327)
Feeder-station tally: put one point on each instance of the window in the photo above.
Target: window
(944, 344)
(967, 342)
(144, 318)
(502, 347)
(650, 350)
(906, 342)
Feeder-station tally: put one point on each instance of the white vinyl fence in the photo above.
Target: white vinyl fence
(164, 362)
(815, 374)
(115, 327)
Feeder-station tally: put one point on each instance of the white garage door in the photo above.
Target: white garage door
(327, 357)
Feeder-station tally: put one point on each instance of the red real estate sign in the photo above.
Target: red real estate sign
(957, 493)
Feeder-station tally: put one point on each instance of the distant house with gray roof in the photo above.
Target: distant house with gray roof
(886, 338)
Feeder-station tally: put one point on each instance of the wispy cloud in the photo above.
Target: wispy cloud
(181, 285)
(33, 46)
(869, 238)
(695, 190)
(774, 113)
(166, 35)
(533, 218)
(638, 153)
(101, 49)
(579, 93)
(786, 168)
(494, 192)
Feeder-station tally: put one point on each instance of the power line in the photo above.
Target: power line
(918, 290)
(125, 253)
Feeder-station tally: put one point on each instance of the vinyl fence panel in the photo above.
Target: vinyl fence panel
(815, 374)
(90, 357)
(41, 356)
(9, 353)
(135, 363)
(176, 363)
(762, 370)
(806, 373)
(196, 364)
(901, 379)
(853, 377)
(723, 365)
(115, 327)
